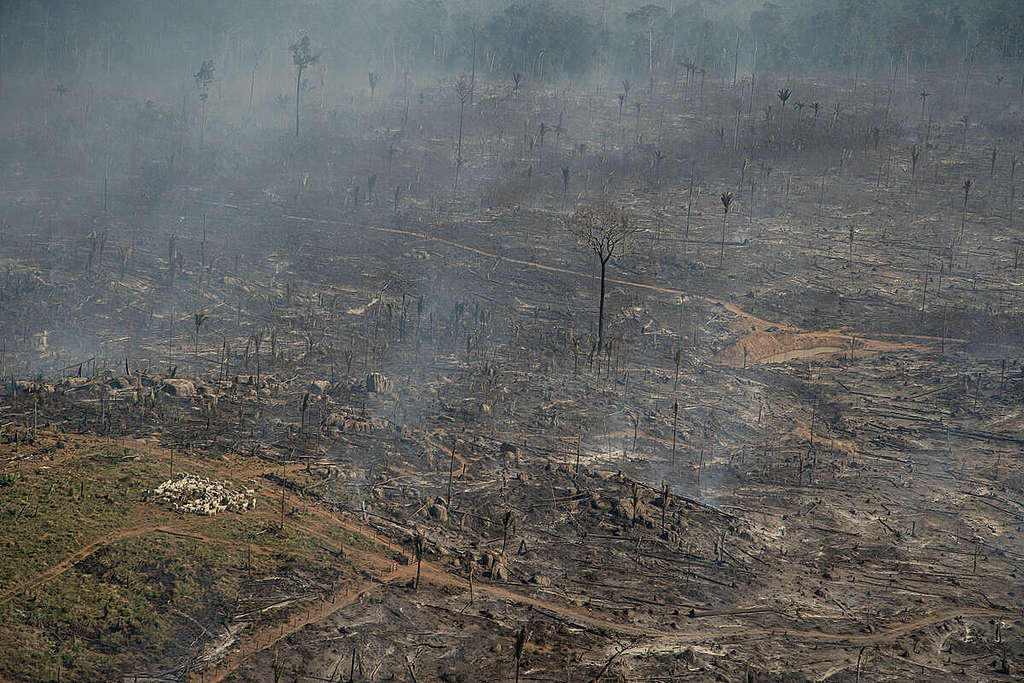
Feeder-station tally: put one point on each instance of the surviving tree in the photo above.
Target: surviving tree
(606, 231)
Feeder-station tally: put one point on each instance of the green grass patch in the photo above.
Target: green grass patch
(141, 603)
(49, 512)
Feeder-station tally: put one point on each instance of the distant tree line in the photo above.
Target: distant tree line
(539, 39)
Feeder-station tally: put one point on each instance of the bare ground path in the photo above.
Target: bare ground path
(436, 575)
(183, 528)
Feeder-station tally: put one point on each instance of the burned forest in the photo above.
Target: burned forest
(511, 340)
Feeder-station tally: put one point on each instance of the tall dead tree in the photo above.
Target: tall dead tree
(462, 91)
(565, 184)
(648, 16)
(521, 638)
(963, 216)
(418, 547)
(302, 56)
(203, 78)
(1013, 189)
(606, 231)
(198, 319)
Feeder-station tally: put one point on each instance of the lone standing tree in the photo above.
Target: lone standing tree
(606, 231)
(302, 56)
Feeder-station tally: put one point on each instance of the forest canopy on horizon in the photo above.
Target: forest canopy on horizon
(542, 39)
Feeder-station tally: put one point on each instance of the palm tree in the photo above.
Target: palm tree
(302, 56)
(726, 201)
(784, 94)
(203, 78)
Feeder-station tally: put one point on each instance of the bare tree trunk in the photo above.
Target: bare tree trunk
(721, 254)
(675, 418)
(600, 309)
(298, 81)
(689, 210)
(458, 153)
(472, 76)
(736, 61)
(650, 59)
(451, 472)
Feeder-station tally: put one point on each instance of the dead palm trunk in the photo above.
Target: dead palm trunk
(199, 319)
(675, 417)
(689, 211)
(472, 75)
(458, 154)
(650, 58)
(462, 91)
(565, 185)
(520, 643)
(963, 216)
(451, 471)
(1013, 188)
(298, 82)
(419, 560)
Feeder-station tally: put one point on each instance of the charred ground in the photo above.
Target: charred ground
(801, 462)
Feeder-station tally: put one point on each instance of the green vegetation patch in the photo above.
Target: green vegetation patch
(47, 512)
(142, 599)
